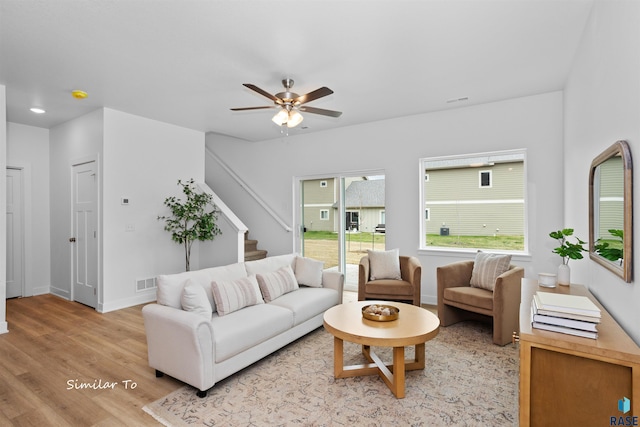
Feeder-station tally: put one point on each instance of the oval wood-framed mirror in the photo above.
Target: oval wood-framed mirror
(611, 210)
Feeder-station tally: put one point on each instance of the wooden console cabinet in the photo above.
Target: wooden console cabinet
(567, 380)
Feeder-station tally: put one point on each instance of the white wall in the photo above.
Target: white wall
(3, 211)
(143, 160)
(602, 105)
(28, 149)
(395, 146)
(69, 142)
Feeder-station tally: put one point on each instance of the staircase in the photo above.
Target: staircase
(251, 251)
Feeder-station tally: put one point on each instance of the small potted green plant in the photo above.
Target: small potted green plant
(568, 251)
(192, 219)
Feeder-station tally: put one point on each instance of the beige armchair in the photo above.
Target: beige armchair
(458, 301)
(407, 289)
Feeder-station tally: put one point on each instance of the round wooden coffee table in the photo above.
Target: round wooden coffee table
(414, 326)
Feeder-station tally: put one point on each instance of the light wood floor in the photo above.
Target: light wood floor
(54, 345)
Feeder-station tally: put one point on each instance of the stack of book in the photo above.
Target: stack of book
(568, 314)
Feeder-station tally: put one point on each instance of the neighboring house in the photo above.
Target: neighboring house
(480, 199)
(319, 197)
(610, 214)
(364, 201)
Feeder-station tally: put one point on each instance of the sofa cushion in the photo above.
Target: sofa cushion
(390, 287)
(170, 286)
(233, 295)
(474, 297)
(306, 303)
(276, 283)
(269, 264)
(246, 328)
(195, 299)
(384, 264)
(309, 271)
(487, 268)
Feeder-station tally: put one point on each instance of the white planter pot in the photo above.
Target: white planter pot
(564, 275)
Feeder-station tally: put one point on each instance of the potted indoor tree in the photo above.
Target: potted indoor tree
(191, 219)
(568, 251)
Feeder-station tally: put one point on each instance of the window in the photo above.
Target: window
(485, 179)
(475, 201)
(323, 184)
(324, 214)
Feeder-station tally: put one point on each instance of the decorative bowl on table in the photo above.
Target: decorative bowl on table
(380, 312)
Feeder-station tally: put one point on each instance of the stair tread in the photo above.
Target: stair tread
(255, 255)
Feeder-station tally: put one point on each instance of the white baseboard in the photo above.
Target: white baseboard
(4, 327)
(142, 298)
(429, 300)
(42, 290)
(60, 293)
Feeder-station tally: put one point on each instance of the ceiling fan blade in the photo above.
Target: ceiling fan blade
(252, 108)
(322, 111)
(263, 92)
(318, 93)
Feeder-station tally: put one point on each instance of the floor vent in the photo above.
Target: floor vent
(145, 284)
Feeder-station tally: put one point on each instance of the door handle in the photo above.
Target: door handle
(72, 239)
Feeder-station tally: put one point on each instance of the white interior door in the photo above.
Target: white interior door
(15, 234)
(85, 234)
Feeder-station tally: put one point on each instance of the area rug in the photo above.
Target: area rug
(467, 381)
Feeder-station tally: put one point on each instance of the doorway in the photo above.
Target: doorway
(338, 217)
(15, 233)
(85, 234)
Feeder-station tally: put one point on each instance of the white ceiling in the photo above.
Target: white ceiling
(184, 61)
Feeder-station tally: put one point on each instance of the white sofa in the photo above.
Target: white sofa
(202, 348)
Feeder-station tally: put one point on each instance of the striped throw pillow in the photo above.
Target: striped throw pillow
(277, 283)
(233, 295)
(487, 268)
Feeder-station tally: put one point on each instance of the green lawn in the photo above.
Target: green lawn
(350, 237)
(513, 243)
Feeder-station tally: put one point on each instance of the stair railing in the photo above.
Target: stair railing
(248, 189)
(232, 218)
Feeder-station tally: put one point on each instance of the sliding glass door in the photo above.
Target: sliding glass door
(339, 218)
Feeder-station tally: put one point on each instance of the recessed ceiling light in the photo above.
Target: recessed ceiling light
(37, 110)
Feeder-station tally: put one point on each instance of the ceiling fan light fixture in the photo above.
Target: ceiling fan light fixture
(281, 117)
(295, 118)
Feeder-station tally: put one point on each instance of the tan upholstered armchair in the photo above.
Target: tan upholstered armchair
(458, 300)
(406, 289)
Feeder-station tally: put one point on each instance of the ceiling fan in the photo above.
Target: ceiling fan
(290, 104)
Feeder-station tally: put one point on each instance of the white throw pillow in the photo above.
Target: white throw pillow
(487, 268)
(277, 283)
(384, 264)
(309, 272)
(233, 295)
(194, 299)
